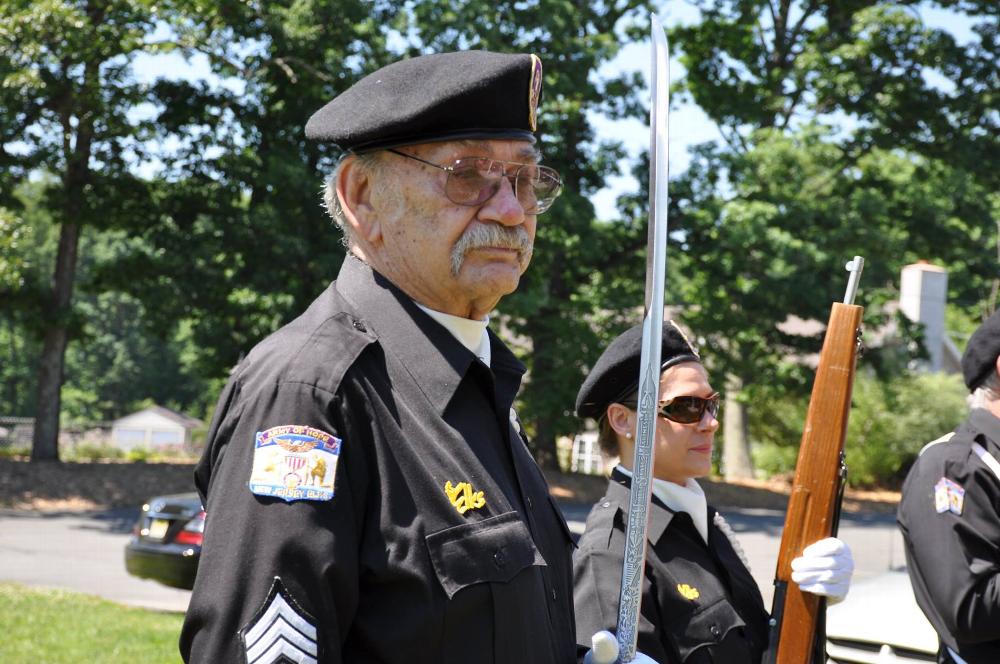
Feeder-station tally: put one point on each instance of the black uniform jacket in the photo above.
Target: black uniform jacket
(699, 603)
(950, 518)
(388, 569)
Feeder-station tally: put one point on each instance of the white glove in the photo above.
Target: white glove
(825, 568)
(604, 650)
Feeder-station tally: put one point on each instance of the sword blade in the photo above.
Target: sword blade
(652, 339)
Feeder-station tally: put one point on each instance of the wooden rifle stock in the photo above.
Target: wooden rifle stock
(814, 504)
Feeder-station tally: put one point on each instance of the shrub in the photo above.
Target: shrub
(92, 452)
(139, 454)
(12, 451)
(890, 421)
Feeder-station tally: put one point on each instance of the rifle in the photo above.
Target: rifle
(796, 630)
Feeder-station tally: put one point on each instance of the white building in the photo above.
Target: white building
(923, 296)
(155, 427)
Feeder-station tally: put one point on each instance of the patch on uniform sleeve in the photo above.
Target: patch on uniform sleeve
(949, 496)
(294, 462)
(281, 631)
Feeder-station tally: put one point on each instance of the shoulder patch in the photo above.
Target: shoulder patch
(294, 462)
(281, 631)
(949, 496)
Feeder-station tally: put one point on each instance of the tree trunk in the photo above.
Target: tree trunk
(736, 463)
(45, 443)
(543, 443)
(81, 106)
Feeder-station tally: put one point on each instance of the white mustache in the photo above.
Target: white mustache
(491, 235)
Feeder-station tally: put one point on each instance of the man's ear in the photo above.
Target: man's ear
(354, 187)
(622, 419)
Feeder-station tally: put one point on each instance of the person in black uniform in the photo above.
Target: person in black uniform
(699, 601)
(949, 515)
(369, 492)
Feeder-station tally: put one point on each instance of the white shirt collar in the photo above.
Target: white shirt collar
(689, 498)
(470, 333)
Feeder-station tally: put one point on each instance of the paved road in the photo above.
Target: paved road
(79, 551)
(84, 552)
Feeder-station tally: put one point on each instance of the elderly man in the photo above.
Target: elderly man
(369, 491)
(950, 516)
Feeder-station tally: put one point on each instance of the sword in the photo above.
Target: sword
(652, 340)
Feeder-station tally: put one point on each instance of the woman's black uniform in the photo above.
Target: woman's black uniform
(699, 602)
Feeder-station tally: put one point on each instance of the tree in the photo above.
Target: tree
(837, 141)
(242, 244)
(66, 95)
(259, 247)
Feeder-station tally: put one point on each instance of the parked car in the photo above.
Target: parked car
(166, 540)
(880, 623)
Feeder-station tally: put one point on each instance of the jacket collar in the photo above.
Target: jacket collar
(435, 359)
(660, 515)
(985, 421)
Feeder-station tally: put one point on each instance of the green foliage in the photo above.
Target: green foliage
(891, 421)
(12, 452)
(102, 631)
(93, 452)
(139, 455)
(770, 459)
(13, 233)
(849, 128)
(839, 140)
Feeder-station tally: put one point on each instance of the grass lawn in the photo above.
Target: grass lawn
(59, 627)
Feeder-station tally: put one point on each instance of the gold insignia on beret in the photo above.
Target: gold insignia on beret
(462, 497)
(688, 592)
(534, 91)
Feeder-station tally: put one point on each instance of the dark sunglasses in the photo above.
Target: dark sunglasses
(474, 180)
(686, 410)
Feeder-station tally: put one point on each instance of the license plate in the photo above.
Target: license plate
(158, 528)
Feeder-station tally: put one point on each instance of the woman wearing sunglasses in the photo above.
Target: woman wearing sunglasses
(699, 601)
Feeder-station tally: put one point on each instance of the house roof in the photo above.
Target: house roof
(178, 418)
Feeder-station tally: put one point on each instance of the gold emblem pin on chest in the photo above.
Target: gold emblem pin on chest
(688, 592)
(462, 497)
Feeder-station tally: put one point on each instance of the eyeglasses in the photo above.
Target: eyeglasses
(686, 409)
(474, 180)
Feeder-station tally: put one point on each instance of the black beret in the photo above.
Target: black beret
(980, 357)
(616, 373)
(446, 96)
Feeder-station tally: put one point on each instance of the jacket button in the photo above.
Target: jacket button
(528, 500)
(606, 503)
(359, 326)
(499, 558)
(553, 594)
(714, 629)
